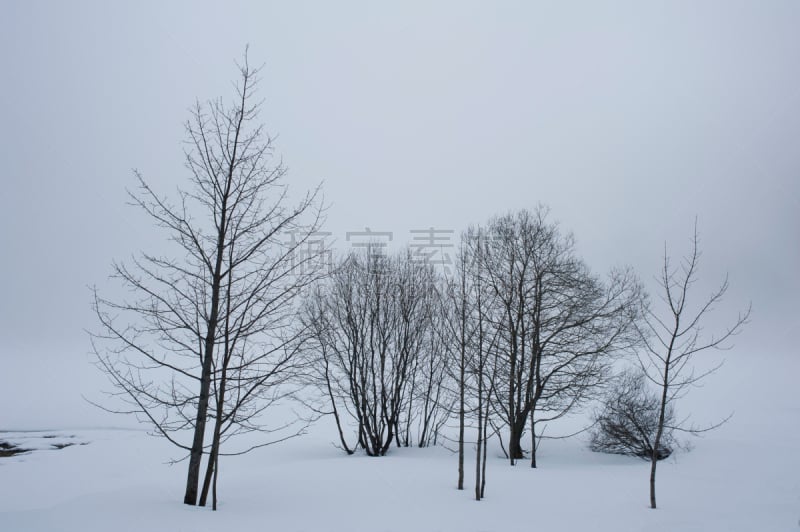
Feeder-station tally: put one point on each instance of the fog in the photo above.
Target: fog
(628, 119)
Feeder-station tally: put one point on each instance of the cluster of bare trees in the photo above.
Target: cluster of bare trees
(375, 353)
(522, 333)
(533, 331)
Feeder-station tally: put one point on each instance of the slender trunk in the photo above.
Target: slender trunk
(533, 441)
(500, 440)
(214, 454)
(346, 448)
(209, 475)
(657, 442)
(461, 432)
(410, 412)
(214, 489)
(653, 461)
(333, 405)
(513, 444)
(485, 440)
(427, 412)
(662, 413)
(483, 420)
(480, 437)
(196, 453)
(461, 386)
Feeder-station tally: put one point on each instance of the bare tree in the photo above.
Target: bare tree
(212, 322)
(457, 329)
(484, 360)
(416, 294)
(371, 325)
(432, 396)
(673, 337)
(463, 329)
(559, 325)
(627, 423)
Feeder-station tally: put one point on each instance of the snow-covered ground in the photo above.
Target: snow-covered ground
(743, 476)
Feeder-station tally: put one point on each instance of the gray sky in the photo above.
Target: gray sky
(626, 118)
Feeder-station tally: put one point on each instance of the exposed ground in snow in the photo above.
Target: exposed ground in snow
(25, 442)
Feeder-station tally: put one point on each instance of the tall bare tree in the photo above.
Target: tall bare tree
(471, 353)
(457, 329)
(673, 335)
(205, 334)
(485, 359)
(559, 325)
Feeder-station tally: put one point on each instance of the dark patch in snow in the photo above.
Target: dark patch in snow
(7, 449)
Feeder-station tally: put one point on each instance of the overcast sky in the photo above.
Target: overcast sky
(627, 118)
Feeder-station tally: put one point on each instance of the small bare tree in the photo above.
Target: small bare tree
(205, 334)
(627, 423)
(671, 340)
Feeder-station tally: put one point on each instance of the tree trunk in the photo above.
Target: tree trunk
(208, 476)
(485, 445)
(662, 413)
(196, 454)
(214, 489)
(533, 441)
(657, 442)
(461, 436)
(346, 448)
(213, 457)
(653, 462)
(515, 439)
(478, 454)
(478, 494)
(461, 386)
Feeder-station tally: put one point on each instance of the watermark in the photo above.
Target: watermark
(375, 242)
(431, 246)
(310, 252)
